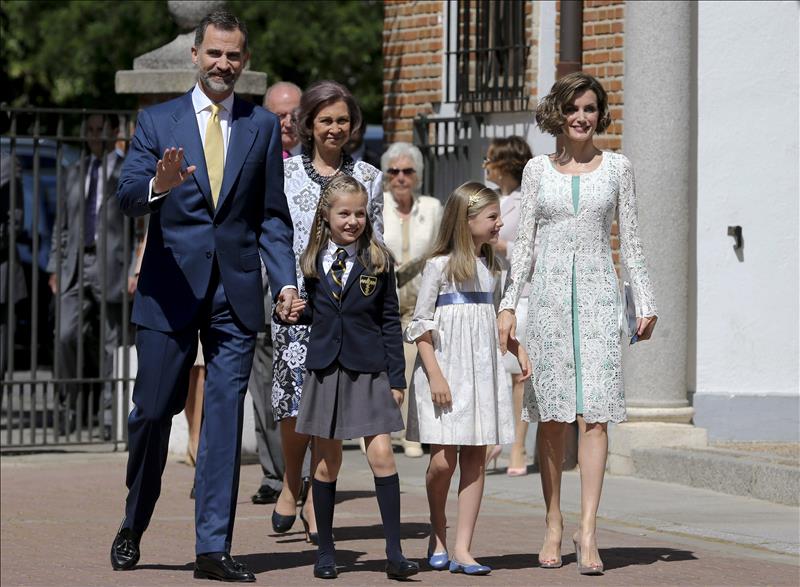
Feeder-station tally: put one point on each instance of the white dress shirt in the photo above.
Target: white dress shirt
(329, 256)
(202, 111)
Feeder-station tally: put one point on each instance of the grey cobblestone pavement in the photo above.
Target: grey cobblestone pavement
(59, 514)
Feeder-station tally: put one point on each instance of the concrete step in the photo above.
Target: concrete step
(762, 475)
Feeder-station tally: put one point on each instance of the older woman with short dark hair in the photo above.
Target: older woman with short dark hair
(327, 118)
(411, 223)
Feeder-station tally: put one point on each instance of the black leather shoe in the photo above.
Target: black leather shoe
(282, 524)
(401, 569)
(325, 572)
(125, 550)
(265, 495)
(221, 566)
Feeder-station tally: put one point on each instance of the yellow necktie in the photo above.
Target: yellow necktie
(214, 154)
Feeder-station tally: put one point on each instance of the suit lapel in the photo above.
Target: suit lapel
(187, 135)
(242, 135)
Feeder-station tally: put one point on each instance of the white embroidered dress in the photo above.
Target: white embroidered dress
(303, 186)
(465, 342)
(575, 240)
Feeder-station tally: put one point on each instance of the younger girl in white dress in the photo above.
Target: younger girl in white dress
(460, 399)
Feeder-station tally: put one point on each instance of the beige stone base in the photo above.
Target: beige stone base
(625, 437)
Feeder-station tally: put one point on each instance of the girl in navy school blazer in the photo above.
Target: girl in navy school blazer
(355, 360)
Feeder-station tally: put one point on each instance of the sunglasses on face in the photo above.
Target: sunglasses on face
(394, 172)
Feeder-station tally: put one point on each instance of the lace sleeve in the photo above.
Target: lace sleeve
(630, 244)
(522, 257)
(376, 205)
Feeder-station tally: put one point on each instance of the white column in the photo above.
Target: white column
(657, 139)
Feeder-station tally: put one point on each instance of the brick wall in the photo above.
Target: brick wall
(603, 41)
(413, 54)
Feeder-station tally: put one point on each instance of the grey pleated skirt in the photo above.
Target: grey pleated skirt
(339, 403)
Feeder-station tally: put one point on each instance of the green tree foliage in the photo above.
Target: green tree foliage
(58, 53)
(306, 41)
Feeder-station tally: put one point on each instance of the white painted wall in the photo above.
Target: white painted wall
(747, 174)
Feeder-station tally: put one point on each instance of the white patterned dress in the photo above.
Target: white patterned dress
(573, 331)
(303, 186)
(461, 318)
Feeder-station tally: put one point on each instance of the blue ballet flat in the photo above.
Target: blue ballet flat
(457, 567)
(438, 561)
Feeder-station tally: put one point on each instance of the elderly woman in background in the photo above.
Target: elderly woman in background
(504, 162)
(411, 222)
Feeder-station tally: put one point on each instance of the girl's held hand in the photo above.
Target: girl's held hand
(645, 326)
(295, 309)
(398, 395)
(506, 326)
(524, 363)
(440, 392)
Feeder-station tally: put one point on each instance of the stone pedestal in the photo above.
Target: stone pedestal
(657, 140)
(168, 71)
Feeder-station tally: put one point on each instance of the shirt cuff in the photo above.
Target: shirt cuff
(285, 287)
(153, 196)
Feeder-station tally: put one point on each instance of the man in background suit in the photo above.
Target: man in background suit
(282, 99)
(89, 189)
(214, 218)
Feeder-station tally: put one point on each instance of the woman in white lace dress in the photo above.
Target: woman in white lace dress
(327, 118)
(573, 333)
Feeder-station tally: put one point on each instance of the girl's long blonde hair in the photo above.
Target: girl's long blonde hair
(371, 253)
(455, 238)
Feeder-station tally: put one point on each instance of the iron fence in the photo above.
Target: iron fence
(66, 282)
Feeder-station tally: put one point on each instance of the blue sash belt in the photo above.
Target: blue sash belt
(465, 297)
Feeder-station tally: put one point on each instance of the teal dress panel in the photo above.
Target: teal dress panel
(576, 330)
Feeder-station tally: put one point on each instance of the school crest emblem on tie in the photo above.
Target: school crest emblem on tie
(367, 283)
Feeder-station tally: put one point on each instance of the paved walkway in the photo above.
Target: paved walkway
(60, 513)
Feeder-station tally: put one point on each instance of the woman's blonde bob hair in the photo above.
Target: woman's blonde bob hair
(551, 111)
(371, 253)
(455, 238)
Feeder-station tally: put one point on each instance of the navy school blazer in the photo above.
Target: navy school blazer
(372, 341)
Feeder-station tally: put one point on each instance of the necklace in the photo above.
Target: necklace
(335, 171)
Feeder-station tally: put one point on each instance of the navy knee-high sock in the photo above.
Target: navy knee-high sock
(387, 490)
(324, 494)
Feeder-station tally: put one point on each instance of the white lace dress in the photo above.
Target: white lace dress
(573, 332)
(462, 321)
(303, 185)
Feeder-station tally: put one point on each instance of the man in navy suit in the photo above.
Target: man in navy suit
(207, 167)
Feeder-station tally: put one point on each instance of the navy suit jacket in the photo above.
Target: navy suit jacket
(372, 341)
(186, 232)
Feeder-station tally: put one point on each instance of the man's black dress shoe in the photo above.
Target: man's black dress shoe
(125, 550)
(265, 495)
(325, 572)
(401, 569)
(222, 567)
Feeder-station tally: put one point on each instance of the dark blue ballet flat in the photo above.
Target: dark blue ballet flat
(282, 524)
(457, 567)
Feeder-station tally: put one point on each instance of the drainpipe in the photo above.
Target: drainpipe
(570, 53)
(570, 59)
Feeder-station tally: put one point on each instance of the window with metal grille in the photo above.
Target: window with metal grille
(487, 54)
